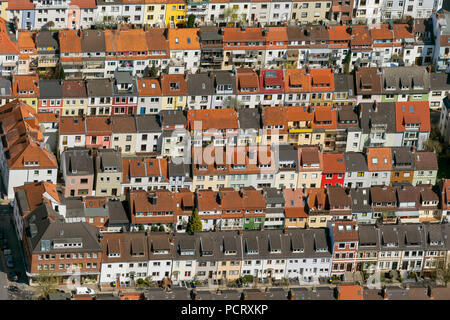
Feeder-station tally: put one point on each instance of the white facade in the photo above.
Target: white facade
(20, 177)
(120, 271)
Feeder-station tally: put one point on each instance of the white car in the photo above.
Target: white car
(84, 290)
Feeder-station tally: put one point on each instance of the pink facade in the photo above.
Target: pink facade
(79, 186)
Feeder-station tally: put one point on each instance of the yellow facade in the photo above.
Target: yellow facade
(229, 270)
(301, 137)
(175, 14)
(31, 101)
(74, 106)
(4, 10)
(174, 103)
(318, 221)
(295, 222)
(155, 14)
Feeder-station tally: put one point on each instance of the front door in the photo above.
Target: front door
(394, 265)
(114, 192)
(349, 267)
(405, 265)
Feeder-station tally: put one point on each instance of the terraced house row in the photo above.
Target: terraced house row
(35, 14)
(220, 257)
(92, 54)
(241, 88)
(235, 208)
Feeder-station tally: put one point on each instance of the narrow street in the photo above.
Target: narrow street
(9, 234)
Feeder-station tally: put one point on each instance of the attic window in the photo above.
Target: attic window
(176, 40)
(153, 86)
(188, 40)
(174, 86)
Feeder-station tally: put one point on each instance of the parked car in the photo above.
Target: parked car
(12, 276)
(7, 252)
(13, 289)
(84, 290)
(9, 261)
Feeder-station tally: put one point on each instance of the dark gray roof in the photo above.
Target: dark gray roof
(321, 293)
(288, 152)
(117, 214)
(355, 161)
(225, 78)
(45, 39)
(48, 233)
(344, 83)
(78, 162)
(361, 200)
(99, 87)
(200, 84)
(208, 33)
(440, 81)
(108, 158)
(50, 89)
(377, 114)
(179, 170)
(147, 123)
(249, 119)
(122, 77)
(407, 77)
(368, 236)
(75, 208)
(274, 195)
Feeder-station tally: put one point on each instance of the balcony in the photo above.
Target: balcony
(125, 66)
(318, 57)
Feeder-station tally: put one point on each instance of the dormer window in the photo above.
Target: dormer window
(174, 86)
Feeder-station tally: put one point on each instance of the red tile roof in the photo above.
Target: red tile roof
(333, 162)
(412, 112)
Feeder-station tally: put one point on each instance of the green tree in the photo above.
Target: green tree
(433, 145)
(46, 283)
(61, 74)
(443, 273)
(162, 229)
(191, 21)
(154, 229)
(153, 73)
(195, 223)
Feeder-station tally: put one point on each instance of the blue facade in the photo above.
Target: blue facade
(27, 19)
